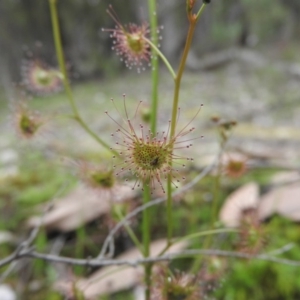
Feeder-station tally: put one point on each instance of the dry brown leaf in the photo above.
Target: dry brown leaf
(284, 200)
(243, 198)
(112, 279)
(82, 205)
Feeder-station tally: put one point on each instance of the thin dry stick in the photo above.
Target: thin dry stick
(25, 246)
(134, 263)
(21, 249)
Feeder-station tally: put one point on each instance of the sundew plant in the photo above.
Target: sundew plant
(153, 163)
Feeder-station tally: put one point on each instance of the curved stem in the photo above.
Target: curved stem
(163, 58)
(63, 70)
(200, 11)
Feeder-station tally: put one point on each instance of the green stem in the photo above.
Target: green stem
(216, 197)
(186, 50)
(163, 58)
(173, 124)
(154, 62)
(193, 21)
(146, 230)
(63, 70)
(146, 238)
(217, 182)
(79, 248)
(200, 11)
(179, 76)
(169, 211)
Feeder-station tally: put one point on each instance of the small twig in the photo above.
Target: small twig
(134, 263)
(21, 251)
(281, 250)
(24, 247)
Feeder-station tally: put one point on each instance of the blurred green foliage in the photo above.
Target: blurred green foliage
(265, 280)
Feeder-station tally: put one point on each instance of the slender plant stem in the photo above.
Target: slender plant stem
(188, 42)
(79, 249)
(146, 229)
(146, 239)
(179, 76)
(200, 11)
(63, 70)
(169, 211)
(173, 124)
(216, 196)
(193, 19)
(154, 62)
(163, 58)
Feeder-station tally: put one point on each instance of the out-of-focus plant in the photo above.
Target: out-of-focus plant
(148, 157)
